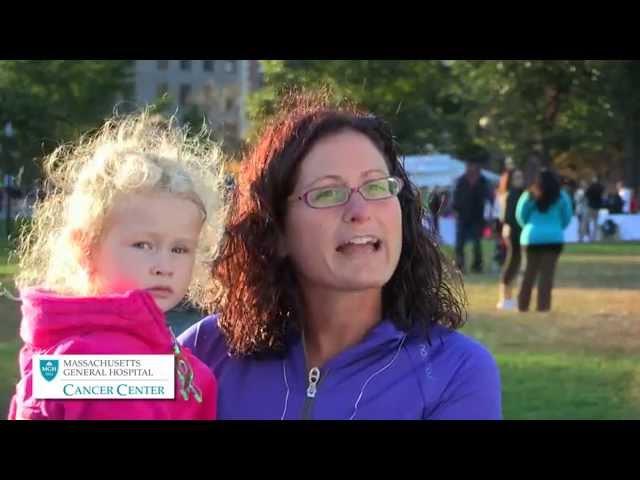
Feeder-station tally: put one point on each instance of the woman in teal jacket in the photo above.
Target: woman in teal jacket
(544, 211)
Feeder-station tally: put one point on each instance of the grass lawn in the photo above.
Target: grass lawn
(582, 359)
(9, 345)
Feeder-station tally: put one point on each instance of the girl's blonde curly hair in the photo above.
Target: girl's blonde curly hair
(130, 154)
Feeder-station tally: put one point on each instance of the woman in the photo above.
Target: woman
(509, 193)
(336, 302)
(543, 212)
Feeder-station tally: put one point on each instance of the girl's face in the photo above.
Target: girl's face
(149, 243)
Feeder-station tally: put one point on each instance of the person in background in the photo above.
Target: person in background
(543, 212)
(580, 202)
(471, 193)
(511, 231)
(594, 195)
(625, 195)
(613, 201)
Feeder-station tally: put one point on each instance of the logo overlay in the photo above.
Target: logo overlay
(103, 376)
(49, 369)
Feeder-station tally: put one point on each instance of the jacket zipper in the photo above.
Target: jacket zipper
(312, 390)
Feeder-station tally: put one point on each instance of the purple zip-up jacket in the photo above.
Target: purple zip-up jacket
(387, 376)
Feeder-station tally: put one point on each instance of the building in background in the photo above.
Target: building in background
(218, 88)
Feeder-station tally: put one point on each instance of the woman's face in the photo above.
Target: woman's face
(350, 247)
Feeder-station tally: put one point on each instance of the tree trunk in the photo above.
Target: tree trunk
(532, 167)
(632, 150)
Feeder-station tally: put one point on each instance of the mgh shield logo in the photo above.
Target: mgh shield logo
(49, 369)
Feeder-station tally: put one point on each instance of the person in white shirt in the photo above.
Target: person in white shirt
(580, 202)
(625, 194)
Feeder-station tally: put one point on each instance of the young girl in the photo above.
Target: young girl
(130, 216)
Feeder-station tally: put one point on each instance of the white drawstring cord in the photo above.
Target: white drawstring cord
(364, 385)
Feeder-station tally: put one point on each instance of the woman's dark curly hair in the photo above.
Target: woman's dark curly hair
(260, 299)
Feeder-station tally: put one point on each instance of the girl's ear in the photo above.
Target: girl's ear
(80, 245)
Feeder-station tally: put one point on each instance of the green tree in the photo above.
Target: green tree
(50, 102)
(417, 97)
(525, 108)
(535, 111)
(619, 82)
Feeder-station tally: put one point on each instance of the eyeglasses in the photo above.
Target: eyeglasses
(327, 197)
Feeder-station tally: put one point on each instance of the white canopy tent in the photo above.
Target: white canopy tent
(438, 170)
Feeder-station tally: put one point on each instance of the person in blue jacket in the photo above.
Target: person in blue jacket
(543, 212)
(330, 298)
